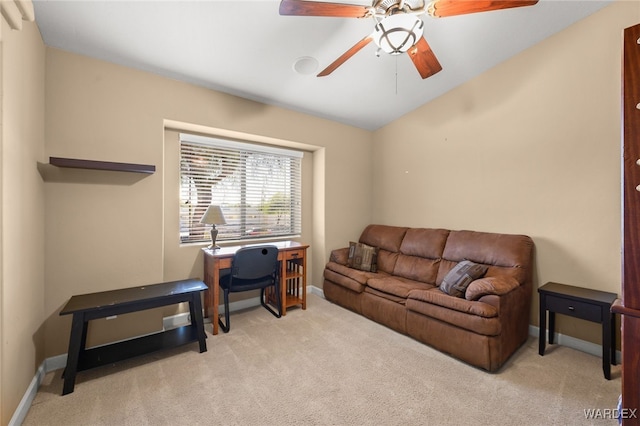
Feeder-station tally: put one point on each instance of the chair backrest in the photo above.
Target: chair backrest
(250, 263)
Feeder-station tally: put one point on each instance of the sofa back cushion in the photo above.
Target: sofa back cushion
(420, 254)
(504, 254)
(387, 239)
(383, 236)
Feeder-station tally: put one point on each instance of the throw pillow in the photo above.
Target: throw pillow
(363, 257)
(456, 281)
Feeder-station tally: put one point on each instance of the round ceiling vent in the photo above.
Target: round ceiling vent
(305, 65)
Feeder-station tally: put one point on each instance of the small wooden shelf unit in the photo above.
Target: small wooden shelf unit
(294, 279)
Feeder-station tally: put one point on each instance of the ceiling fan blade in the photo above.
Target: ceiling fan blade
(312, 8)
(442, 8)
(346, 55)
(424, 59)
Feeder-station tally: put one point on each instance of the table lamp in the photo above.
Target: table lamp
(213, 216)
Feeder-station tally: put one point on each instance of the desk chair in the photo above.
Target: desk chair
(252, 268)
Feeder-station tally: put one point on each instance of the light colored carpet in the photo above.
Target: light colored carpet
(327, 366)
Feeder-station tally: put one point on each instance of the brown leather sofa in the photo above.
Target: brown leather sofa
(483, 328)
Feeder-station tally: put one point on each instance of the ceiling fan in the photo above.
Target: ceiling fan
(398, 26)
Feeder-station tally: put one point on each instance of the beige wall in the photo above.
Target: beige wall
(534, 144)
(22, 233)
(107, 231)
(531, 146)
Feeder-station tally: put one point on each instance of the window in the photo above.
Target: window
(258, 188)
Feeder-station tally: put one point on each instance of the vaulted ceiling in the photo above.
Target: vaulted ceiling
(247, 49)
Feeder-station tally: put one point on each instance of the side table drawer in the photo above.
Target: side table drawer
(293, 254)
(574, 308)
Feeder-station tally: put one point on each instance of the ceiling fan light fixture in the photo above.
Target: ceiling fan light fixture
(396, 34)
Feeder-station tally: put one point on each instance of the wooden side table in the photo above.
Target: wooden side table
(578, 302)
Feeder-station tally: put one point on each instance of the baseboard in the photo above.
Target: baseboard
(179, 320)
(315, 291)
(50, 364)
(26, 401)
(59, 361)
(577, 344)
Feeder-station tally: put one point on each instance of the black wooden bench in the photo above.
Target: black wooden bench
(87, 307)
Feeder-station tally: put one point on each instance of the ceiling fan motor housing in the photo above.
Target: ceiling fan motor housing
(396, 33)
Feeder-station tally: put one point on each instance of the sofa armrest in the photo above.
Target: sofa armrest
(490, 285)
(340, 255)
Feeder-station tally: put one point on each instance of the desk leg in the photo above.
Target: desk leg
(542, 326)
(283, 287)
(77, 341)
(195, 309)
(304, 282)
(214, 292)
(606, 345)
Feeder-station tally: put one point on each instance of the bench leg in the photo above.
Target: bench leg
(195, 309)
(76, 345)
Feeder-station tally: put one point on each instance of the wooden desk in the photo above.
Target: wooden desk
(293, 275)
(103, 304)
(583, 303)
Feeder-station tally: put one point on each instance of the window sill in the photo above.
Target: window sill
(227, 243)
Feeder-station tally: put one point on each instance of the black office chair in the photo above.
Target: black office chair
(252, 268)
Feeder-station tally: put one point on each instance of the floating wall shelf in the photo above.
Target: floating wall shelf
(101, 165)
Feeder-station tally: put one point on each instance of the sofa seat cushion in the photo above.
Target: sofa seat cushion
(344, 281)
(386, 296)
(475, 316)
(461, 305)
(353, 279)
(397, 286)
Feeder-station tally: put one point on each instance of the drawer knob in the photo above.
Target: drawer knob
(571, 308)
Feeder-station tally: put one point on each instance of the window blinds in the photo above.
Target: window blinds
(258, 188)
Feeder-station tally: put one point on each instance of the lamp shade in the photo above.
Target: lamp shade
(396, 34)
(213, 216)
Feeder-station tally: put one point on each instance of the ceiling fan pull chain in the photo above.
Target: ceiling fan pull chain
(396, 75)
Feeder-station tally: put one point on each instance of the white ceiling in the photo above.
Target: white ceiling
(247, 49)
